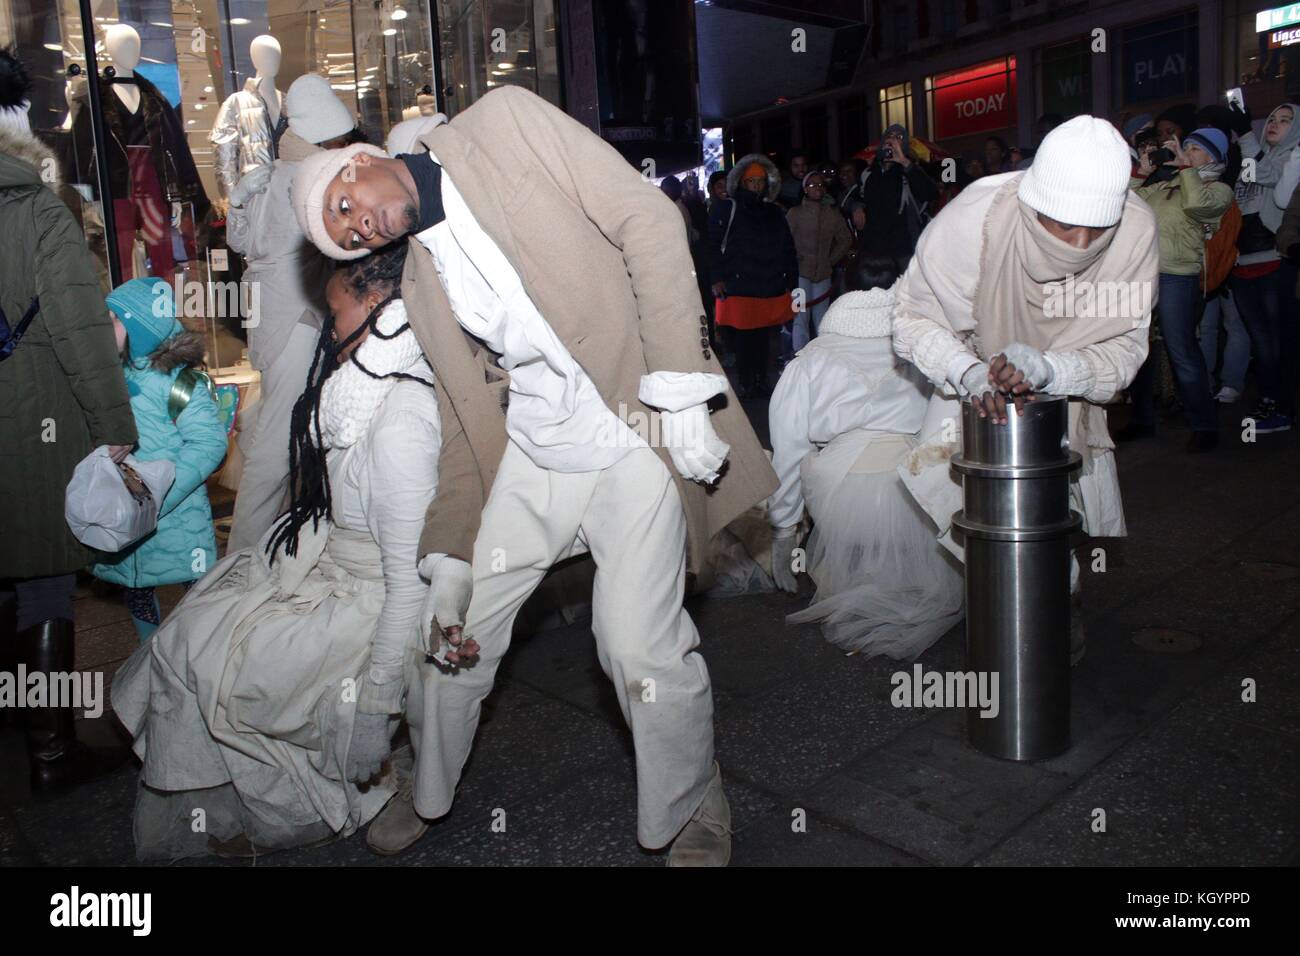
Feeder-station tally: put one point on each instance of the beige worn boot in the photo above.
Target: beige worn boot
(397, 827)
(706, 839)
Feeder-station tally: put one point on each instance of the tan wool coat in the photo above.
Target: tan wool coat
(602, 255)
(821, 238)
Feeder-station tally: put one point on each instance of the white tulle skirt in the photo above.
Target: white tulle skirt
(884, 583)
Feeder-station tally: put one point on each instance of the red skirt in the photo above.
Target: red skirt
(748, 312)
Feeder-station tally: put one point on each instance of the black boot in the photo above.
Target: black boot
(58, 759)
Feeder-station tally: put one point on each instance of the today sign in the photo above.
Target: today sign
(982, 103)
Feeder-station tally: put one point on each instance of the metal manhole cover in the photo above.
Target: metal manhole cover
(1271, 570)
(1166, 640)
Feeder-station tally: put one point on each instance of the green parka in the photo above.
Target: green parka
(62, 392)
(1184, 206)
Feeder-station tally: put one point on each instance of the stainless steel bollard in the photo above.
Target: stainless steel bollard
(1017, 524)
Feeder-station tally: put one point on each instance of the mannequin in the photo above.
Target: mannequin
(265, 54)
(123, 45)
(248, 127)
(148, 156)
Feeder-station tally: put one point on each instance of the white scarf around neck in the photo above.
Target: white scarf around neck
(351, 398)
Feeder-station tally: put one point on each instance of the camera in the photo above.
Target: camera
(1161, 156)
(887, 152)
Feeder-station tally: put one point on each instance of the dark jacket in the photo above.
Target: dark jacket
(62, 392)
(168, 147)
(760, 258)
(892, 227)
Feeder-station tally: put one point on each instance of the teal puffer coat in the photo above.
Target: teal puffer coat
(184, 545)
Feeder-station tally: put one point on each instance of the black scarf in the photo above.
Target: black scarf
(428, 187)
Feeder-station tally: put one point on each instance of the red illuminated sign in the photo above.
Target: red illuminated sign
(975, 100)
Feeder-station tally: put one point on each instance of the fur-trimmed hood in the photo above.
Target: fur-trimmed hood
(773, 175)
(184, 348)
(26, 148)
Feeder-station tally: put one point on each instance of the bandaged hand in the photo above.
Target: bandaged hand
(1030, 362)
(442, 620)
(975, 380)
(987, 400)
(252, 183)
(370, 746)
(783, 545)
(695, 448)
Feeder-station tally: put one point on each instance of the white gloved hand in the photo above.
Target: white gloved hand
(370, 746)
(695, 448)
(784, 541)
(451, 583)
(975, 380)
(252, 183)
(1031, 363)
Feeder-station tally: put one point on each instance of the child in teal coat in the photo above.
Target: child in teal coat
(177, 419)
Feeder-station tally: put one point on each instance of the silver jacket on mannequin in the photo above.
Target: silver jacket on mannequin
(243, 135)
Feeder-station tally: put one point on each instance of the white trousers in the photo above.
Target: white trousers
(630, 518)
(265, 479)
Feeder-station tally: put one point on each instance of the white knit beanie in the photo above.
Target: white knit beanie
(1080, 174)
(861, 315)
(314, 175)
(315, 113)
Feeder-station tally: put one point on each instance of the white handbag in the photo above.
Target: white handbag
(110, 505)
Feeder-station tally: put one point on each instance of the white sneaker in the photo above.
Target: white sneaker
(1227, 395)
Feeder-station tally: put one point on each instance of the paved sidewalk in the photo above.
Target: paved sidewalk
(1186, 772)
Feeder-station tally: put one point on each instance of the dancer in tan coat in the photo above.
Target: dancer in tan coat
(536, 249)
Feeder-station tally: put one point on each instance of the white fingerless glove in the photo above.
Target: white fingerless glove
(451, 583)
(695, 448)
(1031, 363)
(252, 183)
(370, 746)
(975, 380)
(784, 541)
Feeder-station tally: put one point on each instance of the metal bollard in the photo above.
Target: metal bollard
(1017, 524)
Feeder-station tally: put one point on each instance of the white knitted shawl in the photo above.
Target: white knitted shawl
(351, 398)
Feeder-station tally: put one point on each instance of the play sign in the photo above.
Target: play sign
(975, 100)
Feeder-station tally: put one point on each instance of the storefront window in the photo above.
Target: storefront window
(976, 100)
(147, 182)
(1065, 75)
(1160, 59)
(487, 43)
(1267, 54)
(895, 106)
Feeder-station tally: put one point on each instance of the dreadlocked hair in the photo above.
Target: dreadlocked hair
(309, 479)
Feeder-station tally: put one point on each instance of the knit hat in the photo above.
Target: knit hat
(1080, 174)
(314, 175)
(753, 171)
(896, 129)
(1210, 140)
(405, 136)
(315, 113)
(147, 308)
(862, 315)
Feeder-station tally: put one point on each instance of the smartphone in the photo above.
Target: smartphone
(1235, 98)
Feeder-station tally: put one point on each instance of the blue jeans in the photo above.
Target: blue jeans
(1180, 300)
(1221, 312)
(1268, 308)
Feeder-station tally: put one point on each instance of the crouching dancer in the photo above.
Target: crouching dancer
(267, 698)
(1033, 282)
(531, 235)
